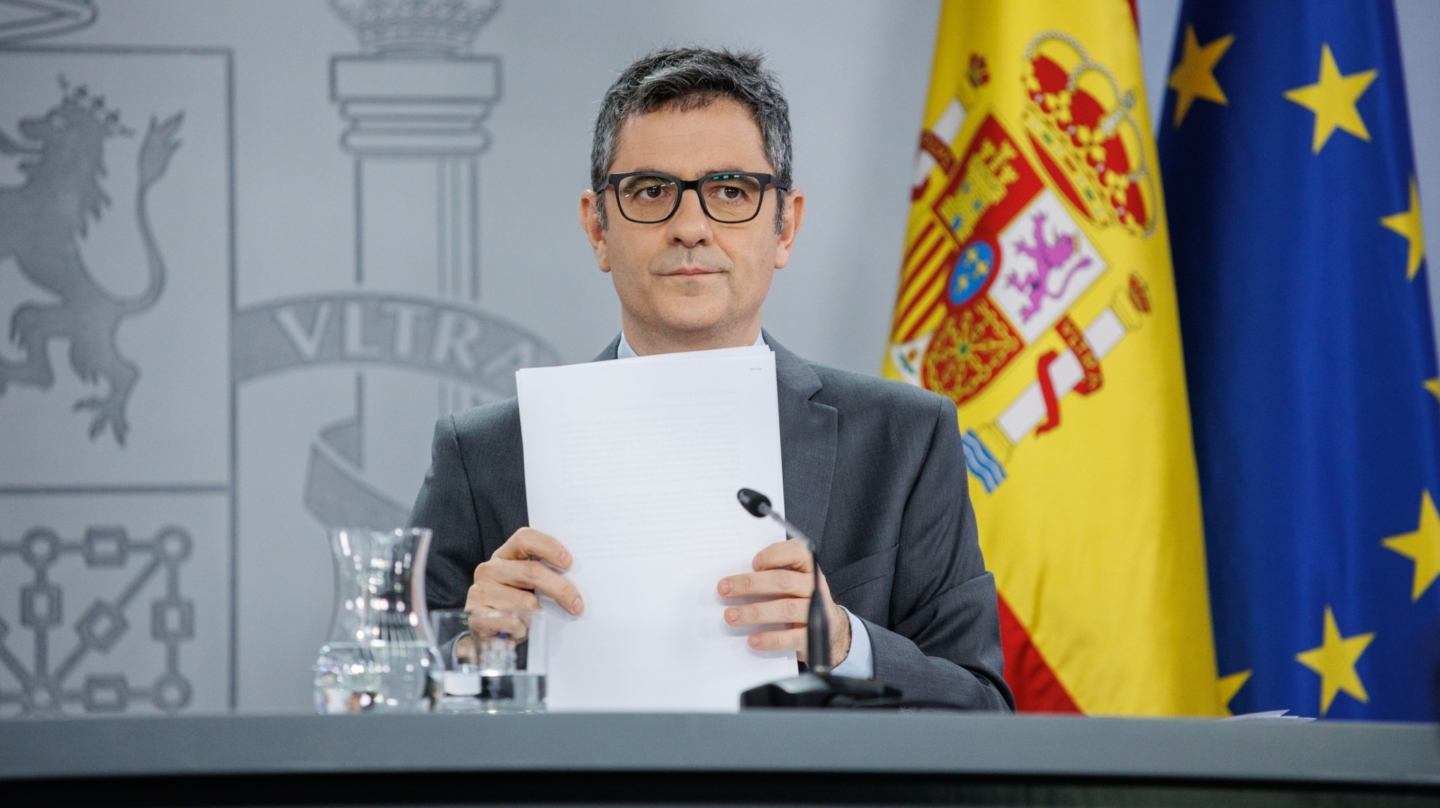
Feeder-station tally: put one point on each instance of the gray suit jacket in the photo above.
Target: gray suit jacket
(874, 472)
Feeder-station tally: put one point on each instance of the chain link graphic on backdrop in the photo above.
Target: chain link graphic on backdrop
(46, 690)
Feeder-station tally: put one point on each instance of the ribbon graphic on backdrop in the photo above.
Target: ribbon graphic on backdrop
(460, 344)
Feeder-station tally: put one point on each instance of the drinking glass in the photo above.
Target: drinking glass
(491, 660)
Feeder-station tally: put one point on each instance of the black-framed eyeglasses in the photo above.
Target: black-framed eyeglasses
(729, 197)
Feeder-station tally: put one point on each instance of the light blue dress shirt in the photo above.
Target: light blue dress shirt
(860, 662)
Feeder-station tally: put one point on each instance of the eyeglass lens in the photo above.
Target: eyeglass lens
(726, 197)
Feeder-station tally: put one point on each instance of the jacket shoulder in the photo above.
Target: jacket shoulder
(499, 420)
(848, 390)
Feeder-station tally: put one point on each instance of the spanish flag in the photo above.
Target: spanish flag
(1036, 291)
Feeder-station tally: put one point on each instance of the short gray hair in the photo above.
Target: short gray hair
(692, 78)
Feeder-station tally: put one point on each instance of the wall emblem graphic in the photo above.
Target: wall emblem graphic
(41, 223)
(115, 532)
(49, 683)
(166, 553)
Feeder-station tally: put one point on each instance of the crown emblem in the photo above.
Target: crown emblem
(422, 27)
(978, 72)
(79, 100)
(1084, 131)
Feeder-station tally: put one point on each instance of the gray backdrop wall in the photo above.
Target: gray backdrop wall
(352, 246)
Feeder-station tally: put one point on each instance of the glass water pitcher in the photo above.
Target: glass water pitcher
(380, 653)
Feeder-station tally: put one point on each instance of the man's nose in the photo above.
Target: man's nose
(690, 226)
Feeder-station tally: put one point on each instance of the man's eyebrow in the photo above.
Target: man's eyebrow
(708, 173)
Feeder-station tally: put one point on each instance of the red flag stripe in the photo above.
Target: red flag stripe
(921, 307)
(1030, 677)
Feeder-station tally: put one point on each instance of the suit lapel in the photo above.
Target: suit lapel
(611, 351)
(808, 433)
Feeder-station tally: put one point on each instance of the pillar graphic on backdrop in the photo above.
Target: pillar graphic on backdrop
(413, 103)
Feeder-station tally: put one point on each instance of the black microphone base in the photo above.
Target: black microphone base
(821, 690)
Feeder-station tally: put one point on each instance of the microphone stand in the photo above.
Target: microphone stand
(818, 687)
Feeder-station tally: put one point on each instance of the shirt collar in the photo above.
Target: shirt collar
(626, 352)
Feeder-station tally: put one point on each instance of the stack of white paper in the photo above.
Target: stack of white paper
(633, 465)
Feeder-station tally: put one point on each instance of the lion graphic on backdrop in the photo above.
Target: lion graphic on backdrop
(41, 224)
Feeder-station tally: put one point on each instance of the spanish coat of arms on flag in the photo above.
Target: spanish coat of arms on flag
(1036, 292)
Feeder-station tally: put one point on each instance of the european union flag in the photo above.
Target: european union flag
(1300, 267)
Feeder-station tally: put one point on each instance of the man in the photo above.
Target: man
(690, 212)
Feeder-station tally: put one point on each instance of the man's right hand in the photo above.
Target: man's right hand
(517, 572)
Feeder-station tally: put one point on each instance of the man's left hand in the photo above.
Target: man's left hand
(783, 578)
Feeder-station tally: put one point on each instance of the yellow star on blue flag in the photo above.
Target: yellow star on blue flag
(1335, 661)
(1409, 224)
(1194, 76)
(1332, 98)
(1422, 546)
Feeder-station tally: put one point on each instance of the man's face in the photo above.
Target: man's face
(691, 282)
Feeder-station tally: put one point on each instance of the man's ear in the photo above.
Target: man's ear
(789, 226)
(590, 223)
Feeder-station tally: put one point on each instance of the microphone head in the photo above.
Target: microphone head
(753, 501)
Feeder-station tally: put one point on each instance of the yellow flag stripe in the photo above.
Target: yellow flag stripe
(930, 247)
(915, 243)
(924, 280)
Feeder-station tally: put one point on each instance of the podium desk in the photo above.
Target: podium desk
(778, 757)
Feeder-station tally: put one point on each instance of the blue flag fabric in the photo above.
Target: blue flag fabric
(1299, 263)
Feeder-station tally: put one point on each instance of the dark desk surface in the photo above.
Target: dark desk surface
(1266, 754)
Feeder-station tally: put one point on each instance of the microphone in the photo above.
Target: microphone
(817, 627)
(819, 687)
